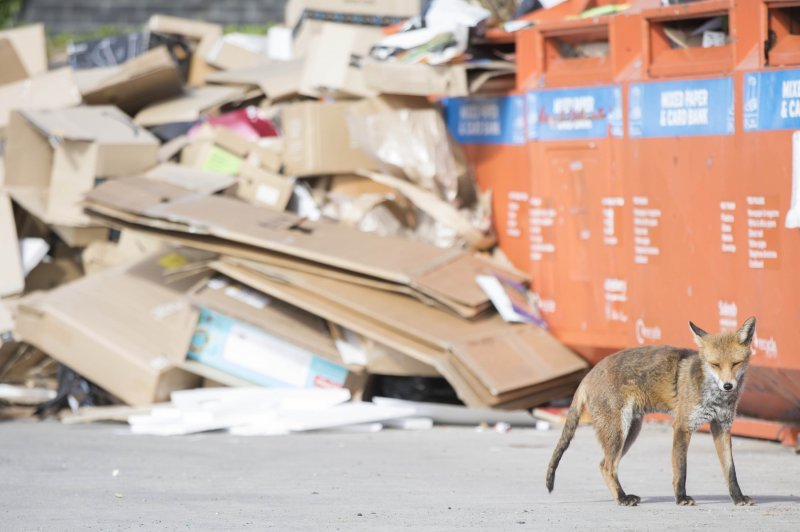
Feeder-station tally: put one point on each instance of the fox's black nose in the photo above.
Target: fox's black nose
(728, 386)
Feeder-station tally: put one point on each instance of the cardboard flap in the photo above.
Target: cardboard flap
(31, 47)
(334, 58)
(128, 344)
(150, 77)
(522, 355)
(49, 91)
(12, 280)
(188, 107)
(136, 194)
(278, 80)
(102, 124)
(191, 178)
(13, 69)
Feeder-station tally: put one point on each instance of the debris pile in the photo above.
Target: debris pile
(184, 209)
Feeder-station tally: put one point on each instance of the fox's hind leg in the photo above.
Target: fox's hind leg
(616, 436)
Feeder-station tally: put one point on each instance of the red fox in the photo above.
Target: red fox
(695, 386)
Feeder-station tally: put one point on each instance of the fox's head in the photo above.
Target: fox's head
(725, 355)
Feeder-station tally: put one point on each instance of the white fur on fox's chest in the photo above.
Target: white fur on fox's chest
(716, 405)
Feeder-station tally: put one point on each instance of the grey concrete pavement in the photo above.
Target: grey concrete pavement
(59, 477)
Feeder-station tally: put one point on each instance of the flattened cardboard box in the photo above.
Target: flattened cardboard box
(317, 140)
(148, 78)
(445, 80)
(54, 157)
(506, 380)
(118, 329)
(49, 91)
(447, 276)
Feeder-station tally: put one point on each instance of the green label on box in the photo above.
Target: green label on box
(222, 161)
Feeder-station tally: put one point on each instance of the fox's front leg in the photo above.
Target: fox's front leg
(722, 441)
(680, 445)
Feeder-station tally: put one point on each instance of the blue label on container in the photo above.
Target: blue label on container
(486, 119)
(681, 108)
(772, 100)
(574, 113)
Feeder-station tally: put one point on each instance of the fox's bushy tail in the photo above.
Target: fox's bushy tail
(573, 417)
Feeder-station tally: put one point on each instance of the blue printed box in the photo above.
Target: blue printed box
(261, 358)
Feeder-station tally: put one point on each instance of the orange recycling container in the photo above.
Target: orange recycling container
(661, 147)
(580, 252)
(762, 207)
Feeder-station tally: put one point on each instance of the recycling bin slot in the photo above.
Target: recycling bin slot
(574, 52)
(693, 40)
(782, 45)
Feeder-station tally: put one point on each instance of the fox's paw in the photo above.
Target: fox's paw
(684, 501)
(629, 500)
(744, 501)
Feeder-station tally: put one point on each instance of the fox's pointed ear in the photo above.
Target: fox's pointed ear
(698, 334)
(745, 334)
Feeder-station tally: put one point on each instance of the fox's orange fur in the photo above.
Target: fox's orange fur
(695, 386)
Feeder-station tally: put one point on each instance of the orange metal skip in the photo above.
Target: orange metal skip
(647, 232)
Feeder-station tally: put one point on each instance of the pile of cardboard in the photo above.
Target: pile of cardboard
(240, 210)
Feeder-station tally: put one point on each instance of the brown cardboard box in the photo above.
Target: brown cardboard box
(148, 78)
(30, 45)
(317, 140)
(445, 80)
(129, 344)
(264, 188)
(359, 12)
(201, 35)
(49, 91)
(53, 157)
(333, 62)
(187, 107)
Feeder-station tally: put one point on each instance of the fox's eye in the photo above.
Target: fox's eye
(714, 365)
